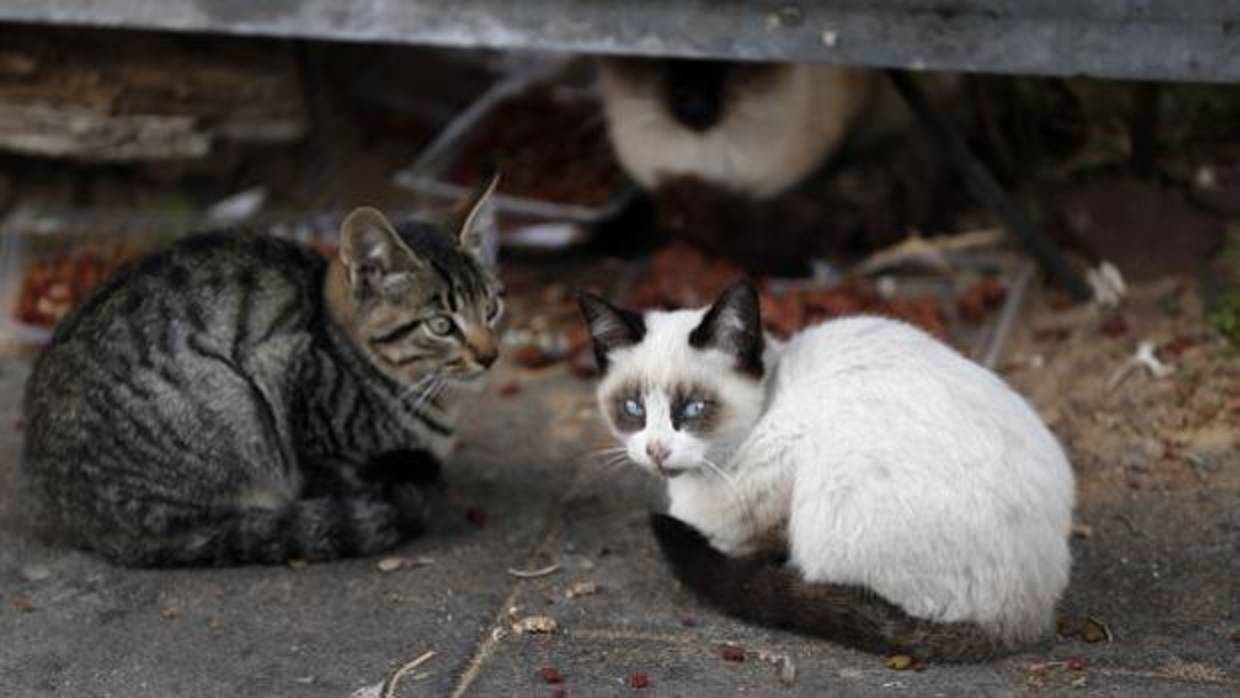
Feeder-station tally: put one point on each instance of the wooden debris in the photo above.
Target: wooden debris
(119, 96)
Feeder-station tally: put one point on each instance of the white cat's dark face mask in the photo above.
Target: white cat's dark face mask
(681, 389)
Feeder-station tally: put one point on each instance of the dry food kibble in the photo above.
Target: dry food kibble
(551, 675)
(549, 146)
(638, 679)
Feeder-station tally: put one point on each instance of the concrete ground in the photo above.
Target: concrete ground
(1157, 564)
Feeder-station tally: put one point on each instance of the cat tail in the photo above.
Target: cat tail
(310, 529)
(762, 591)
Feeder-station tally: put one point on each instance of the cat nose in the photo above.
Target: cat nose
(657, 452)
(483, 347)
(486, 358)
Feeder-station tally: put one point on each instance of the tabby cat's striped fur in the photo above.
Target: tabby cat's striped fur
(238, 398)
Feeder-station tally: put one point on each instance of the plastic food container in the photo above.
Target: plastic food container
(543, 127)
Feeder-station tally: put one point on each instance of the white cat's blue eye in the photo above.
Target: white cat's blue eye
(633, 408)
(693, 410)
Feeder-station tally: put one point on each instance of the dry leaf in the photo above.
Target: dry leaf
(899, 662)
(584, 588)
(535, 624)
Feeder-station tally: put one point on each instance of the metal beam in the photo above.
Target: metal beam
(1192, 40)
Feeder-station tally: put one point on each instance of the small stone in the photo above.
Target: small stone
(1082, 531)
(583, 588)
(830, 38)
(391, 564)
(638, 679)
(898, 662)
(787, 671)
(36, 573)
(535, 625)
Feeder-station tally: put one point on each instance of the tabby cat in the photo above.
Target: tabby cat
(237, 398)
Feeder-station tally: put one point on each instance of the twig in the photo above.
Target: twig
(389, 686)
(531, 574)
(1007, 316)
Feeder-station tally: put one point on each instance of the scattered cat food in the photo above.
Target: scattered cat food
(168, 613)
(535, 625)
(533, 357)
(680, 276)
(23, 605)
(582, 588)
(509, 389)
(898, 662)
(977, 301)
(690, 621)
(551, 675)
(1179, 345)
(1075, 663)
(476, 516)
(639, 679)
(51, 287)
(559, 693)
(1235, 636)
(1114, 326)
(732, 653)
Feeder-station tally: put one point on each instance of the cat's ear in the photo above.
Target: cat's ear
(734, 325)
(476, 230)
(611, 328)
(372, 251)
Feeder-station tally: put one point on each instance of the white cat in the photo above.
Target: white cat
(922, 505)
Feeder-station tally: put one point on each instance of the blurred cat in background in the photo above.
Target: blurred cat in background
(770, 162)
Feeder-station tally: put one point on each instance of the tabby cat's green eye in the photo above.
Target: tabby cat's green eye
(492, 309)
(441, 325)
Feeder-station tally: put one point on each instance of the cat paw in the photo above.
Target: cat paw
(412, 507)
(414, 466)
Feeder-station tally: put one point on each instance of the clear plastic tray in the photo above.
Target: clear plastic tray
(525, 221)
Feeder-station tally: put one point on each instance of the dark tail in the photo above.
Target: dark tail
(313, 529)
(759, 590)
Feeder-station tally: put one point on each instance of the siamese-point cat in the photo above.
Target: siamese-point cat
(753, 128)
(862, 482)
